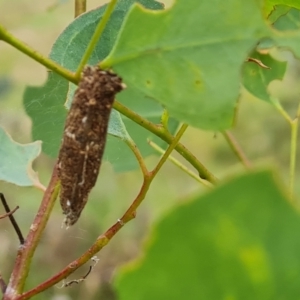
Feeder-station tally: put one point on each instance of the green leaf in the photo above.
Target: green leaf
(188, 58)
(288, 21)
(117, 127)
(269, 5)
(45, 104)
(277, 12)
(16, 161)
(257, 79)
(240, 241)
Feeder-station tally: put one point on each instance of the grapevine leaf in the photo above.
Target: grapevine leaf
(16, 161)
(238, 242)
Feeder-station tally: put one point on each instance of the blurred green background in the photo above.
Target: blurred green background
(261, 131)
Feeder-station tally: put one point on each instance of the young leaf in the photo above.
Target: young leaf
(239, 241)
(188, 58)
(16, 161)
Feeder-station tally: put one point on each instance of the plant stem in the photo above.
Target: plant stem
(138, 156)
(180, 165)
(80, 7)
(2, 285)
(170, 148)
(294, 134)
(236, 148)
(96, 36)
(25, 253)
(165, 119)
(104, 239)
(101, 242)
(159, 131)
(13, 41)
(12, 219)
(167, 137)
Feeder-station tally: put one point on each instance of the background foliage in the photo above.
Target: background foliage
(245, 235)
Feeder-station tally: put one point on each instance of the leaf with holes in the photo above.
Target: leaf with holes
(188, 58)
(256, 79)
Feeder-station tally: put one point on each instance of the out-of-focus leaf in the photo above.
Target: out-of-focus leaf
(240, 241)
(269, 5)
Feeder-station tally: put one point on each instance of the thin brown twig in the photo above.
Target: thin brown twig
(9, 213)
(77, 281)
(69, 283)
(12, 219)
(236, 148)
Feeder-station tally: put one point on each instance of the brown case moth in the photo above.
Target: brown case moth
(84, 138)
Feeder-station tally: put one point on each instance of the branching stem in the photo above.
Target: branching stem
(180, 165)
(104, 239)
(14, 223)
(25, 253)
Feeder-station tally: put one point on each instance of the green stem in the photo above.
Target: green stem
(167, 137)
(294, 134)
(180, 165)
(293, 155)
(138, 156)
(165, 119)
(80, 7)
(170, 149)
(236, 148)
(280, 109)
(96, 36)
(159, 131)
(50, 64)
